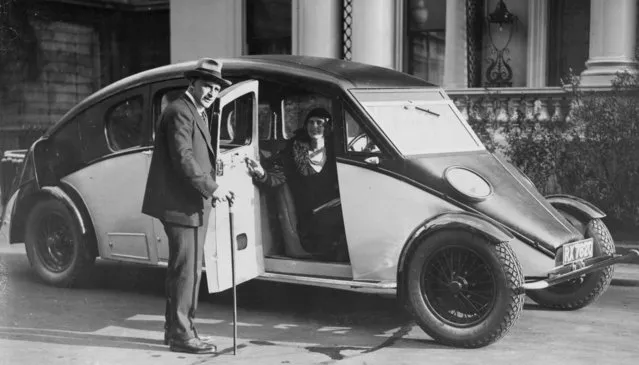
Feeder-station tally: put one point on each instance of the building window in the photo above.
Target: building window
(426, 23)
(568, 38)
(269, 26)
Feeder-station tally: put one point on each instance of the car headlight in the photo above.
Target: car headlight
(468, 183)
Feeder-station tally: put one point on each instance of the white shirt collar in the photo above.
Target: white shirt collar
(199, 108)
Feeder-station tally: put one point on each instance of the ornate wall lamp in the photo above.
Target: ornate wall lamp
(499, 73)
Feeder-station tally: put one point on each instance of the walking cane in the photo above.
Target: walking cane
(231, 221)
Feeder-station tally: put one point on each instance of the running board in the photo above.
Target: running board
(388, 288)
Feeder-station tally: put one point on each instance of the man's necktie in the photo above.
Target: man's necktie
(206, 118)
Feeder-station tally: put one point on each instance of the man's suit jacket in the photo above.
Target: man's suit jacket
(182, 174)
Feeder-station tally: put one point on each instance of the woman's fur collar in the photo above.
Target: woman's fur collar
(300, 151)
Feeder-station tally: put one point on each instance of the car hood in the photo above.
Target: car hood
(515, 202)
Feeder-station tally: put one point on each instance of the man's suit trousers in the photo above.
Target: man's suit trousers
(186, 253)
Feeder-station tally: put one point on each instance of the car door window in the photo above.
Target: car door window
(357, 139)
(237, 122)
(124, 124)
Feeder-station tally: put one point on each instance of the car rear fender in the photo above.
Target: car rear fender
(465, 221)
(575, 206)
(66, 195)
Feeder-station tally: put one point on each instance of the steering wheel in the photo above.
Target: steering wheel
(369, 147)
(351, 144)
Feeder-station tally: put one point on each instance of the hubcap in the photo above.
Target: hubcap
(54, 243)
(458, 286)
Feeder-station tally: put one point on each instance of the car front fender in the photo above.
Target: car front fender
(466, 221)
(575, 206)
(474, 223)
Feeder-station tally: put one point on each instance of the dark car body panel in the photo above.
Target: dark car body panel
(513, 203)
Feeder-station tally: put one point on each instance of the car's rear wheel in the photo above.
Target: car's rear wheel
(580, 292)
(463, 290)
(55, 246)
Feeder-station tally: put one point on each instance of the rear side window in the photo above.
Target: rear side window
(296, 106)
(124, 124)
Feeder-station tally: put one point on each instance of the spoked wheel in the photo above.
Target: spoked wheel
(458, 286)
(580, 292)
(463, 290)
(55, 245)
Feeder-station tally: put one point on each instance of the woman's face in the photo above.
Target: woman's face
(315, 127)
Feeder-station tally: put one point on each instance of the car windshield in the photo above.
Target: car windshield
(419, 121)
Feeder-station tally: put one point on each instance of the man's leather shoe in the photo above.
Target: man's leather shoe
(192, 346)
(205, 339)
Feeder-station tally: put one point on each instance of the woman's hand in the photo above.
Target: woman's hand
(254, 168)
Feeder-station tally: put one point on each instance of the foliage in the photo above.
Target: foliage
(604, 155)
(593, 154)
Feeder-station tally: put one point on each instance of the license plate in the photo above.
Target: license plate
(576, 251)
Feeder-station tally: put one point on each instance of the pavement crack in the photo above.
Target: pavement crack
(334, 352)
(401, 332)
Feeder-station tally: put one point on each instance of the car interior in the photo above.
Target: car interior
(281, 112)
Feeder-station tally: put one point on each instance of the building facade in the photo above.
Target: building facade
(480, 52)
(448, 42)
(518, 63)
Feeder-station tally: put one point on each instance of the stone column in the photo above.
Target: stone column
(204, 28)
(537, 53)
(374, 32)
(612, 41)
(455, 52)
(317, 28)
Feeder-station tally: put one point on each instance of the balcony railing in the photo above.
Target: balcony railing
(503, 104)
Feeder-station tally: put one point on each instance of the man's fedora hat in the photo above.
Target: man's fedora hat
(208, 69)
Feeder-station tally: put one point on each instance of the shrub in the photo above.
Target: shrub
(594, 154)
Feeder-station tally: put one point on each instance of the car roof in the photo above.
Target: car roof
(346, 74)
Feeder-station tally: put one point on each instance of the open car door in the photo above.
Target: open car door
(237, 139)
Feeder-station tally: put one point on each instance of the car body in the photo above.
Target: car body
(409, 168)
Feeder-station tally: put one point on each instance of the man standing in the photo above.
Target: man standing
(180, 192)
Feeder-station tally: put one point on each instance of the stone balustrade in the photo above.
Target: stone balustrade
(502, 105)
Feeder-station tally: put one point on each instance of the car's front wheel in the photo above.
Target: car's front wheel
(463, 290)
(55, 246)
(580, 292)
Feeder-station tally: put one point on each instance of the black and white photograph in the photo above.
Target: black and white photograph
(354, 182)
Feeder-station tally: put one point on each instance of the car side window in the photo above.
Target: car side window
(296, 105)
(357, 140)
(124, 124)
(236, 122)
(265, 115)
(163, 98)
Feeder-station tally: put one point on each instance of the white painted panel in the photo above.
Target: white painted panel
(113, 190)
(380, 213)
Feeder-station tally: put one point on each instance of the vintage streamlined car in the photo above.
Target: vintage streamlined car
(456, 233)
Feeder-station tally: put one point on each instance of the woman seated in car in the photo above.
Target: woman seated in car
(307, 166)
